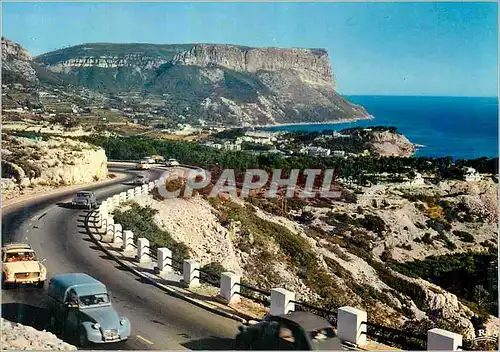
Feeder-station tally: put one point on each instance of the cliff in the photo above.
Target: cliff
(217, 83)
(52, 162)
(17, 64)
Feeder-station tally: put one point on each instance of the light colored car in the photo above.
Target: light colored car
(171, 162)
(80, 307)
(21, 265)
(150, 160)
(85, 199)
(143, 165)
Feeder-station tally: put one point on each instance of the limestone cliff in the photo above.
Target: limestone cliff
(219, 84)
(51, 162)
(16, 63)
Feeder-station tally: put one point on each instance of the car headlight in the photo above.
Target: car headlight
(122, 322)
(96, 326)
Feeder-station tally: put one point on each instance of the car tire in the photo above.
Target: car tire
(5, 285)
(82, 338)
(40, 284)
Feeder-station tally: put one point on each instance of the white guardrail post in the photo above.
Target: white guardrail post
(164, 262)
(190, 272)
(137, 191)
(143, 250)
(130, 194)
(229, 287)
(123, 197)
(443, 340)
(350, 325)
(145, 189)
(281, 301)
(118, 234)
(110, 227)
(128, 241)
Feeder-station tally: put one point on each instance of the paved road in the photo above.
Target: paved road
(159, 321)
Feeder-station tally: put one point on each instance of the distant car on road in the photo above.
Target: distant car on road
(292, 331)
(21, 266)
(141, 180)
(143, 165)
(150, 160)
(85, 199)
(80, 307)
(171, 163)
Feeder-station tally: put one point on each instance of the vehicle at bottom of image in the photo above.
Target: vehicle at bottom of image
(20, 265)
(84, 199)
(293, 331)
(80, 309)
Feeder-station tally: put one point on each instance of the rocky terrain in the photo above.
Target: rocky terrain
(215, 83)
(390, 144)
(352, 243)
(18, 337)
(29, 163)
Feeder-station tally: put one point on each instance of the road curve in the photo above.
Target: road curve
(159, 321)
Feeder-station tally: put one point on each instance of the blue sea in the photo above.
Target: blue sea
(464, 128)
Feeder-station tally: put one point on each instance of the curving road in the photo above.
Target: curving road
(56, 232)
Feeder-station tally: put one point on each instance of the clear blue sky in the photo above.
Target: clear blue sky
(375, 48)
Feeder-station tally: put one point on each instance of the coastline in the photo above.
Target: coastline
(334, 122)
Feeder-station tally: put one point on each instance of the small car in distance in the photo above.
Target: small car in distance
(141, 180)
(143, 165)
(80, 308)
(20, 265)
(84, 199)
(171, 163)
(293, 331)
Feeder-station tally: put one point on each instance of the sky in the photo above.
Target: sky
(433, 49)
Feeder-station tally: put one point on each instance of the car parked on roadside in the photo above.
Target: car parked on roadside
(80, 309)
(171, 163)
(293, 331)
(85, 199)
(20, 265)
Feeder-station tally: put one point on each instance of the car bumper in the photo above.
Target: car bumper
(75, 204)
(23, 281)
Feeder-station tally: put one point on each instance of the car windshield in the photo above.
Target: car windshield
(20, 256)
(92, 300)
(83, 195)
(141, 176)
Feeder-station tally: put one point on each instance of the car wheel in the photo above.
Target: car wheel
(40, 284)
(5, 285)
(82, 338)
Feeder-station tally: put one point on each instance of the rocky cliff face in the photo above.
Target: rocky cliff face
(387, 143)
(218, 83)
(16, 336)
(54, 162)
(16, 63)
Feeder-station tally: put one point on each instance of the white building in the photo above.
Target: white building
(471, 174)
(315, 151)
(339, 153)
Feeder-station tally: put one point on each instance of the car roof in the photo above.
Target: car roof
(16, 245)
(85, 192)
(308, 321)
(82, 283)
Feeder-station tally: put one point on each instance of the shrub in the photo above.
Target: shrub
(464, 236)
(373, 223)
(140, 220)
(426, 238)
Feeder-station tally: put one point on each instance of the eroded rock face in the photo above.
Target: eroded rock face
(16, 336)
(57, 161)
(391, 144)
(16, 61)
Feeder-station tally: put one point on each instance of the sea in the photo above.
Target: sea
(460, 127)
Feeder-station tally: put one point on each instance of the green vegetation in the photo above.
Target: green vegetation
(470, 276)
(140, 220)
(464, 236)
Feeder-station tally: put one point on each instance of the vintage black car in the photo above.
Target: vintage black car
(293, 331)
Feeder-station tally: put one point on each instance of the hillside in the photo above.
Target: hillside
(214, 83)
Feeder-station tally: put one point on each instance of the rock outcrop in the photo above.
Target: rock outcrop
(217, 83)
(53, 162)
(387, 143)
(16, 64)
(17, 337)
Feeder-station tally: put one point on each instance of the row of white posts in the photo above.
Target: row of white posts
(350, 321)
